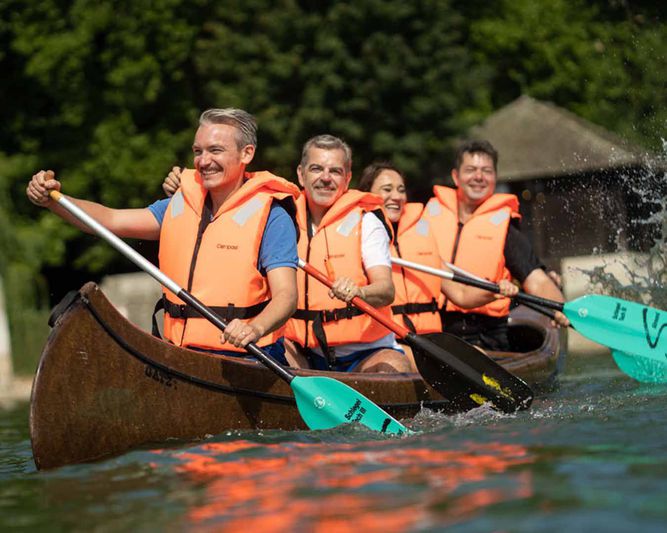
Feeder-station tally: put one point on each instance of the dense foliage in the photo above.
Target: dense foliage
(107, 93)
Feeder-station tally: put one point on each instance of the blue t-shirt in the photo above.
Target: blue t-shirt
(278, 247)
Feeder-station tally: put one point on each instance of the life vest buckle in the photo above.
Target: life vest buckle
(333, 315)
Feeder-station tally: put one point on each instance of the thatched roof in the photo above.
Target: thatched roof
(540, 140)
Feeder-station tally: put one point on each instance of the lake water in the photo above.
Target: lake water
(591, 456)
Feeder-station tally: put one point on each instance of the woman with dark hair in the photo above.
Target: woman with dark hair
(418, 296)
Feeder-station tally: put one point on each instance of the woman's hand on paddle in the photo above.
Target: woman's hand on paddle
(555, 277)
(560, 320)
(240, 333)
(39, 187)
(345, 289)
(172, 182)
(507, 289)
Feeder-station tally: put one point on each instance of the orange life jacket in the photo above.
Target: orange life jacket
(417, 293)
(319, 319)
(478, 246)
(219, 266)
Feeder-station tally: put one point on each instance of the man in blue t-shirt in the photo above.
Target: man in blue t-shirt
(225, 142)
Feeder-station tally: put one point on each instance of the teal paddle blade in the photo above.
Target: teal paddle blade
(642, 369)
(325, 403)
(629, 328)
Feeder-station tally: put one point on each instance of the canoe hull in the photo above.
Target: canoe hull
(104, 386)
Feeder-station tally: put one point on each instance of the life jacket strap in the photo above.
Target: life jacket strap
(321, 317)
(327, 315)
(415, 308)
(226, 313)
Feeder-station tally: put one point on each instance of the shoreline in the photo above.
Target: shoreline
(18, 391)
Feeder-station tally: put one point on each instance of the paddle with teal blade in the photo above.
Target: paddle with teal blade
(323, 402)
(636, 333)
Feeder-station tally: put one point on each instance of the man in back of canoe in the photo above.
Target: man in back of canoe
(477, 230)
(228, 236)
(344, 233)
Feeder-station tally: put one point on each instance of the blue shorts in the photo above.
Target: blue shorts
(347, 363)
(275, 350)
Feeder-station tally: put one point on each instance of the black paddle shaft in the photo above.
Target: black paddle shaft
(493, 287)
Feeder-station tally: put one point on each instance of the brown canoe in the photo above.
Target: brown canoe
(104, 386)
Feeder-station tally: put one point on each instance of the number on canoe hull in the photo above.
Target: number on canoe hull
(163, 378)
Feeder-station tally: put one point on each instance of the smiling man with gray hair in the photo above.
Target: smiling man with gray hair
(342, 232)
(227, 236)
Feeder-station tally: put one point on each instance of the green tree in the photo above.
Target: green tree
(107, 93)
(390, 77)
(599, 59)
(97, 91)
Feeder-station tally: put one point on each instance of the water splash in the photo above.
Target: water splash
(645, 274)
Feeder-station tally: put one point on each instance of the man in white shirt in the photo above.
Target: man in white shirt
(345, 234)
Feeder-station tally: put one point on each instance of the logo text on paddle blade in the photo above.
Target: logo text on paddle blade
(619, 312)
(652, 343)
(356, 412)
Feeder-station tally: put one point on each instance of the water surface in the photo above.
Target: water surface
(590, 456)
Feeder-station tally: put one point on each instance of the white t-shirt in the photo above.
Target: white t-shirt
(374, 252)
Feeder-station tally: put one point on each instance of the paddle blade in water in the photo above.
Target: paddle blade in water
(633, 329)
(325, 403)
(495, 384)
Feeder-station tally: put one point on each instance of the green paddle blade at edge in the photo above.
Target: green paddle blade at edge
(636, 333)
(325, 403)
(641, 368)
